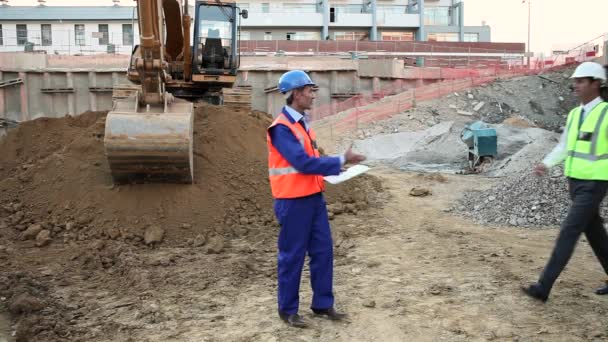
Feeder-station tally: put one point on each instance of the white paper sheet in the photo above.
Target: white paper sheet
(348, 174)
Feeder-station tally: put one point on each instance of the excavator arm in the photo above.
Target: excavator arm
(149, 135)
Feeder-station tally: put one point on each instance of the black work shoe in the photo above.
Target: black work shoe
(602, 290)
(535, 291)
(330, 314)
(293, 319)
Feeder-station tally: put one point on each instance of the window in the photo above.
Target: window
(351, 35)
(245, 35)
(332, 14)
(127, 34)
(443, 37)
(267, 35)
(104, 39)
(349, 8)
(21, 34)
(439, 16)
(79, 34)
(471, 37)
(266, 7)
(299, 8)
(47, 36)
(306, 36)
(386, 9)
(398, 36)
(1, 37)
(291, 36)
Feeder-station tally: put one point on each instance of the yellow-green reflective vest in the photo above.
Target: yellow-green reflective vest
(588, 146)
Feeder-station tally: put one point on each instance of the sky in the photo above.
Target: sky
(554, 23)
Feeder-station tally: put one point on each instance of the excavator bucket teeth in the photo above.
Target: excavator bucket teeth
(153, 143)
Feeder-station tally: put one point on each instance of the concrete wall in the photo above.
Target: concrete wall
(55, 85)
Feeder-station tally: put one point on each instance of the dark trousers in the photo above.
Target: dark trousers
(304, 229)
(583, 217)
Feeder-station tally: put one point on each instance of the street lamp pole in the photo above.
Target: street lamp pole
(528, 54)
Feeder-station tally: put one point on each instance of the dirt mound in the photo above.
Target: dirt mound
(54, 174)
(518, 122)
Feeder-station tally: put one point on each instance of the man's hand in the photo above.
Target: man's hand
(540, 170)
(351, 157)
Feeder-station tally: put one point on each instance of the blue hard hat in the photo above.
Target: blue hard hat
(293, 80)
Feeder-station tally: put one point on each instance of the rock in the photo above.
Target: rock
(31, 232)
(336, 208)
(25, 303)
(464, 113)
(113, 233)
(350, 207)
(84, 220)
(154, 235)
(99, 245)
(479, 106)
(369, 303)
(43, 238)
(420, 192)
(470, 96)
(69, 226)
(537, 108)
(17, 217)
(17, 207)
(199, 240)
(215, 245)
(453, 106)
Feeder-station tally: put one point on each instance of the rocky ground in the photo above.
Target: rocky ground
(418, 257)
(527, 101)
(408, 270)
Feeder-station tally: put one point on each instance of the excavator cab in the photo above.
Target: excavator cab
(215, 44)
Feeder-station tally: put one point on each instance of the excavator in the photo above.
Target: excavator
(149, 135)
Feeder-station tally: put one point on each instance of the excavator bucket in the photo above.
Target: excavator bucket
(150, 143)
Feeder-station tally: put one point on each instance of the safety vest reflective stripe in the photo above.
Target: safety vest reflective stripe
(282, 171)
(587, 156)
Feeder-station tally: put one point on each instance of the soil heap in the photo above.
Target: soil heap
(54, 177)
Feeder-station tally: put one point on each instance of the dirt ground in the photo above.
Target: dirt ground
(407, 270)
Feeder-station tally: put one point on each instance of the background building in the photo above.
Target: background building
(113, 29)
(401, 20)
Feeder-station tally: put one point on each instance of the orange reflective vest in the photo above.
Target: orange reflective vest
(285, 180)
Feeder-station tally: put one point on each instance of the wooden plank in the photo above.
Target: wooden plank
(122, 91)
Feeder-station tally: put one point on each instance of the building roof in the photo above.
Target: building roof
(40, 13)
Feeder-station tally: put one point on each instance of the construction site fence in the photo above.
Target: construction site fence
(336, 119)
(337, 46)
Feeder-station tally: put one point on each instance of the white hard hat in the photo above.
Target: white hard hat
(590, 69)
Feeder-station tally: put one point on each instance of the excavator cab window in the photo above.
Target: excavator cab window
(215, 38)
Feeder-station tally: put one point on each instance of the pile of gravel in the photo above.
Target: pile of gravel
(523, 201)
